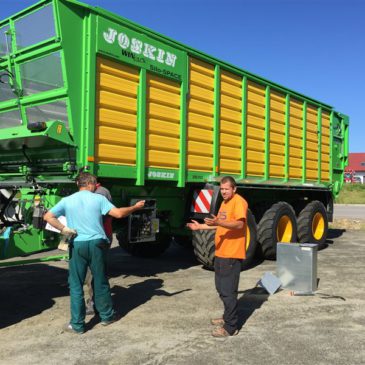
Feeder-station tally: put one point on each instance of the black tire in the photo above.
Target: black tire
(144, 249)
(204, 245)
(270, 229)
(251, 241)
(313, 223)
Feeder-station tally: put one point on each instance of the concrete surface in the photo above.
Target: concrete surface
(351, 211)
(166, 305)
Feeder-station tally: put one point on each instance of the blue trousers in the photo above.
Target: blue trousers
(84, 254)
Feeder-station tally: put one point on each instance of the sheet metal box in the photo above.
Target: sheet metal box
(296, 266)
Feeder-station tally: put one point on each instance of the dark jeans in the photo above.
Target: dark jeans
(227, 276)
(84, 254)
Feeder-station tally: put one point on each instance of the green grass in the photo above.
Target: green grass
(352, 194)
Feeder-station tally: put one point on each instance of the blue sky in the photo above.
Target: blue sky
(315, 47)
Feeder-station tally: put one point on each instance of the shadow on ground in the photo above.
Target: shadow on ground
(28, 290)
(251, 300)
(175, 258)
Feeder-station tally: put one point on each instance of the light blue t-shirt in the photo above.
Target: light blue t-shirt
(84, 211)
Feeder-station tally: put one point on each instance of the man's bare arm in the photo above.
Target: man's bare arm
(125, 211)
(50, 218)
(194, 226)
(215, 221)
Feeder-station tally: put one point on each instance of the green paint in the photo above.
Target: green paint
(244, 129)
(140, 50)
(304, 143)
(331, 148)
(216, 120)
(141, 126)
(287, 137)
(267, 134)
(62, 257)
(319, 133)
(184, 87)
(52, 156)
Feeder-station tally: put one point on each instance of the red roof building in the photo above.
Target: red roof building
(357, 164)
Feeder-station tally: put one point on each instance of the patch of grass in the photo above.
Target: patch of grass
(352, 194)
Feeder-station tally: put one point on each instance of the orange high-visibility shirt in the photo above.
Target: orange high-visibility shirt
(231, 243)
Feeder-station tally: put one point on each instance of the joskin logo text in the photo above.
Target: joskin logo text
(137, 47)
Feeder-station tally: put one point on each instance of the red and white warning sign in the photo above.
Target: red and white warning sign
(202, 199)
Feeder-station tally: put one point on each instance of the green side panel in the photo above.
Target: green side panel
(140, 50)
(267, 134)
(244, 129)
(304, 143)
(319, 131)
(82, 33)
(77, 37)
(340, 149)
(141, 127)
(216, 124)
(287, 135)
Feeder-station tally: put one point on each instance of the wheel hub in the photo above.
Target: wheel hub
(284, 230)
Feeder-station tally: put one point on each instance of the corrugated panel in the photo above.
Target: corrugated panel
(277, 135)
(255, 153)
(295, 139)
(116, 113)
(200, 111)
(162, 122)
(230, 123)
(325, 145)
(312, 143)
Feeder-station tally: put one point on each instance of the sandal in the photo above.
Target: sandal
(222, 332)
(217, 322)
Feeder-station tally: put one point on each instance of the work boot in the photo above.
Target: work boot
(70, 329)
(116, 317)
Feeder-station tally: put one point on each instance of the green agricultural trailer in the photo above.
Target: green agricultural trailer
(154, 119)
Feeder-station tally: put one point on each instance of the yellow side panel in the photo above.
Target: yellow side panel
(325, 147)
(162, 122)
(200, 111)
(295, 139)
(230, 149)
(116, 113)
(312, 143)
(277, 135)
(255, 129)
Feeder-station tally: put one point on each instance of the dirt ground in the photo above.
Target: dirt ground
(166, 304)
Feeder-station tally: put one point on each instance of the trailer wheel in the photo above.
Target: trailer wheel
(313, 223)
(251, 241)
(278, 224)
(204, 245)
(144, 249)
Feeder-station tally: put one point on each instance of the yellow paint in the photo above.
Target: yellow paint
(230, 149)
(284, 229)
(200, 109)
(116, 113)
(162, 108)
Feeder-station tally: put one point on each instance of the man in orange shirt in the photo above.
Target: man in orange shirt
(230, 250)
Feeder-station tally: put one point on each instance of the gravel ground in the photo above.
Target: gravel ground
(166, 304)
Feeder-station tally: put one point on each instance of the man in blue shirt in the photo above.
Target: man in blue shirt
(84, 211)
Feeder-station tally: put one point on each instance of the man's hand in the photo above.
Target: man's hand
(66, 231)
(139, 204)
(211, 221)
(194, 225)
